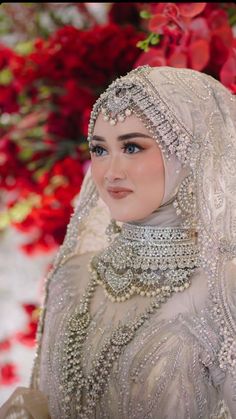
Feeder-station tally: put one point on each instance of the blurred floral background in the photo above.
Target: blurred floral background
(55, 60)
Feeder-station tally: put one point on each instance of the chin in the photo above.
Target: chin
(125, 218)
(121, 217)
(126, 213)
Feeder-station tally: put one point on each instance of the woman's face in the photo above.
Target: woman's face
(127, 168)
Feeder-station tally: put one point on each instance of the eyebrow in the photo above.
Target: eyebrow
(122, 137)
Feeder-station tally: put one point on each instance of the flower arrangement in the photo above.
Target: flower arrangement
(192, 35)
(46, 99)
(47, 90)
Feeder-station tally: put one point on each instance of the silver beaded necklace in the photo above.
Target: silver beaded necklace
(159, 262)
(144, 259)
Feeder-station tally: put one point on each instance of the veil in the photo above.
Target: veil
(197, 125)
(85, 233)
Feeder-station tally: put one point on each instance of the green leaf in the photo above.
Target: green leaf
(44, 92)
(144, 14)
(232, 20)
(154, 39)
(24, 48)
(22, 98)
(26, 154)
(143, 45)
(36, 132)
(6, 77)
(5, 220)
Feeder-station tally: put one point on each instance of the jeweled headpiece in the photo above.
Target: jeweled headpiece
(135, 93)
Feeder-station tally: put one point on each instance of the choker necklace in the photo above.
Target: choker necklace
(146, 260)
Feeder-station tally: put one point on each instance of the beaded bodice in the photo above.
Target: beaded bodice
(165, 357)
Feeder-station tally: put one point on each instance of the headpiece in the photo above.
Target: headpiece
(136, 94)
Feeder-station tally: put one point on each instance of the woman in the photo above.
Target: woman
(140, 309)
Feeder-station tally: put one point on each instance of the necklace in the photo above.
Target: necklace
(79, 393)
(144, 259)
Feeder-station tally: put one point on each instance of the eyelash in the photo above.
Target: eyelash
(94, 148)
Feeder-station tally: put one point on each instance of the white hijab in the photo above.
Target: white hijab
(165, 215)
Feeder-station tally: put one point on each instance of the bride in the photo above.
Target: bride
(139, 319)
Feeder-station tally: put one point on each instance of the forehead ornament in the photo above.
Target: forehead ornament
(136, 94)
(118, 104)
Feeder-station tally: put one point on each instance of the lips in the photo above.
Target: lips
(118, 193)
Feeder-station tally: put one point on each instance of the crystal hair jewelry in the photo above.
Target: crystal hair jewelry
(135, 93)
(145, 260)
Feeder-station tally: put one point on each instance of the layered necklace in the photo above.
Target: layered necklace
(149, 261)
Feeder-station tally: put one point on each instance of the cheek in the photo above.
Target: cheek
(149, 175)
(97, 172)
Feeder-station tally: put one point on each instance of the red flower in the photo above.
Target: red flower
(8, 374)
(228, 70)
(124, 13)
(30, 309)
(47, 222)
(190, 10)
(67, 173)
(28, 337)
(158, 22)
(193, 35)
(69, 121)
(5, 345)
(9, 99)
(6, 55)
(13, 173)
(87, 56)
(199, 54)
(154, 57)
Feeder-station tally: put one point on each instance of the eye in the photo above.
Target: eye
(97, 150)
(132, 148)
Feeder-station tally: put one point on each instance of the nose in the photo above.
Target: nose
(114, 170)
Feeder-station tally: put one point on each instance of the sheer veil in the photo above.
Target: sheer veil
(197, 126)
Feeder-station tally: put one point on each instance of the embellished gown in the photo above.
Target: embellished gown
(148, 358)
(169, 369)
